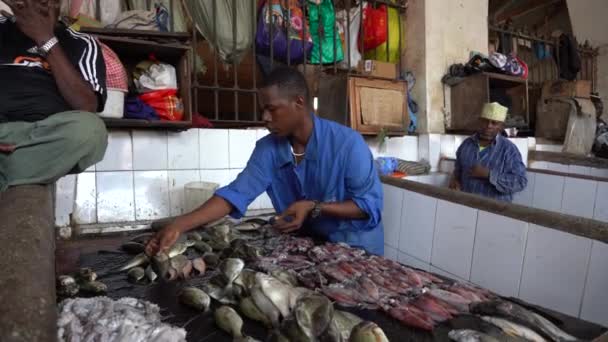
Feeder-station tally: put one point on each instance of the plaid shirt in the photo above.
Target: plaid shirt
(502, 158)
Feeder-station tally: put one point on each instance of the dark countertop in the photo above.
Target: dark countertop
(576, 225)
(568, 159)
(201, 326)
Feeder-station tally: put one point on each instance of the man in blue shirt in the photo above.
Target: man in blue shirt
(487, 163)
(319, 175)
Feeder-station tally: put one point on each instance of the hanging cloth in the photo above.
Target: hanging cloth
(176, 13)
(327, 46)
(380, 52)
(221, 21)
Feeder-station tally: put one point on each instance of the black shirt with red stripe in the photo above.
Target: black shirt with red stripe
(28, 91)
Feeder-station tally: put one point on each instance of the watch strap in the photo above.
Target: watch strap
(316, 210)
(46, 47)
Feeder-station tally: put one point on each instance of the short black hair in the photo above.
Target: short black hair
(290, 81)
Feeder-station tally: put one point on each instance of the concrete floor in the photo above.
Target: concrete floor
(27, 279)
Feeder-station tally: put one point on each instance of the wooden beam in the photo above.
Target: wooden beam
(529, 7)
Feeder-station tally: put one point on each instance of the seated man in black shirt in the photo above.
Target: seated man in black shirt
(52, 80)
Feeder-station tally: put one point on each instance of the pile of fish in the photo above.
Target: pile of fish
(83, 281)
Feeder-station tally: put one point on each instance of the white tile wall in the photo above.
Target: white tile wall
(115, 201)
(65, 192)
(595, 300)
(540, 165)
(417, 225)
(548, 191)
(579, 170)
(447, 166)
(458, 140)
(221, 177)
(447, 274)
(454, 238)
(261, 132)
(498, 253)
(151, 195)
(411, 261)
(85, 204)
(593, 171)
(119, 154)
(183, 150)
(601, 202)
(429, 149)
(214, 152)
(555, 268)
(522, 146)
(390, 253)
(241, 143)
(391, 214)
(448, 143)
(177, 180)
(149, 150)
(526, 196)
(405, 148)
(579, 197)
(557, 167)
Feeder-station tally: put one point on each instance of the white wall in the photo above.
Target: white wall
(540, 265)
(143, 174)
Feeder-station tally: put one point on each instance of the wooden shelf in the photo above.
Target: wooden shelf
(183, 36)
(146, 124)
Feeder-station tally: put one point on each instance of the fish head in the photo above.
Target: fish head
(231, 268)
(313, 314)
(367, 332)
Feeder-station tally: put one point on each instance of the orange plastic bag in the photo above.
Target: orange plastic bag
(166, 103)
(374, 28)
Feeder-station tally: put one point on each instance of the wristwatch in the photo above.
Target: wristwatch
(316, 210)
(46, 47)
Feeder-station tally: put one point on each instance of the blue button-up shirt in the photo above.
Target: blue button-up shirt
(337, 166)
(502, 158)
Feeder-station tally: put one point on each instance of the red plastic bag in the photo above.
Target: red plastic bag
(166, 103)
(374, 28)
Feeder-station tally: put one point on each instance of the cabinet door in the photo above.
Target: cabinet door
(468, 98)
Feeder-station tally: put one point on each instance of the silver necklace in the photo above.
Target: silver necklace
(296, 154)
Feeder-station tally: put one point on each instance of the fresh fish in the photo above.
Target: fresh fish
(181, 265)
(293, 332)
(313, 314)
(245, 339)
(67, 286)
(150, 274)
(468, 335)
(247, 226)
(289, 277)
(211, 259)
(161, 264)
(180, 248)
(456, 300)
(199, 265)
(251, 311)
(139, 260)
(367, 332)
(194, 236)
(229, 321)
(430, 306)
(94, 287)
(257, 220)
(277, 336)
(132, 247)
(85, 274)
(514, 329)
(246, 280)
(231, 268)
(216, 223)
(344, 322)
(518, 314)
(202, 247)
(265, 305)
(295, 293)
(136, 274)
(195, 298)
(276, 291)
(143, 238)
(411, 316)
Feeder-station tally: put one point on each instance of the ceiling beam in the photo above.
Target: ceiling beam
(529, 7)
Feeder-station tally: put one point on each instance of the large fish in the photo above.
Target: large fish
(229, 321)
(518, 314)
(195, 298)
(514, 329)
(313, 314)
(468, 335)
(139, 260)
(275, 290)
(367, 332)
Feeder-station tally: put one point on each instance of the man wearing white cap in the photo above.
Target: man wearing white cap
(487, 163)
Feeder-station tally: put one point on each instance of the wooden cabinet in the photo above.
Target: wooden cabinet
(367, 105)
(469, 96)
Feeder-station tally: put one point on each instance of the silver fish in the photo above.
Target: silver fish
(179, 248)
(276, 291)
(181, 265)
(518, 314)
(94, 287)
(514, 329)
(231, 268)
(367, 332)
(211, 259)
(289, 277)
(295, 293)
(67, 286)
(195, 298)
(313, 314)
(150, 274)
(161, 264)
(247, 226)
(251, 311)
(229, 321)
(136, 274)
(203, 247)
(139, 260)
(468, 335)
(265, 305)
(343, 323)
(294, 333)
(246, 279)
(194, 236)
